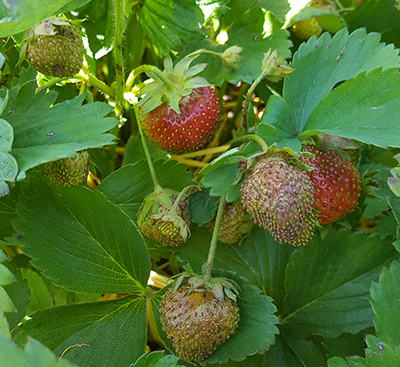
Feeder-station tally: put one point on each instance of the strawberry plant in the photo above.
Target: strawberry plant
(196, 183)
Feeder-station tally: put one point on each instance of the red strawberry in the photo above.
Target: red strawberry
(336, 184)
(180, 111)
(187, 131)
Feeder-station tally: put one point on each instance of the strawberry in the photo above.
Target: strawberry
(197, 319)
(68, 172)
(279, 198)
(234, 224)
(162, 221)
(54, 47)
(336, 184)
(308, 28)
(179, 112)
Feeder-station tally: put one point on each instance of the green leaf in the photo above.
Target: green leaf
(35, 355)
(156, 359)
(63, 297)
(20, 296)
(306, 351)
(40, 295)
(255, 332)
(379, 16)
(129, 185)
(169, 22)
(81, 240)
(385, 297)
(327, 283)
(8, 205)
(223, 180)
(368, 98)
(277, 126)
(346, 344)
(202, 207)
(109, 333)
(256, 32)
(258, 258)
(322, 63)
(378, 354)
(43, 134)
(18, 16)
(8, 164)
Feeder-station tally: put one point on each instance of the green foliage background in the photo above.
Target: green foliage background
(74, 268)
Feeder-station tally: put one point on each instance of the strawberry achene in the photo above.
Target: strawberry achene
(336, 184)
(187, 131)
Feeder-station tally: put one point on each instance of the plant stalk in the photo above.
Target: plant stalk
(118, 57)
(214, 240)
(157, 186)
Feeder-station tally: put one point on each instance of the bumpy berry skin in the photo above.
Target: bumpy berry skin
(187, 131)
(68, 172)
(59, 55)
(279, 198)
(336, 184)
(234, 223)
(164, 226)
(196, 322)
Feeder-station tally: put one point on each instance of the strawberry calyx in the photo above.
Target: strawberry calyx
(162, 205)
(220, 287)
(171, 84)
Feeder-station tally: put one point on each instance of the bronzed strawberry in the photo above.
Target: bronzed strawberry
(54, 47)
(180, 111)
(163, 222)
(336, 184)
(234, 224)
(279, 198)
(187, 131)
(196, 321)
(68, 172)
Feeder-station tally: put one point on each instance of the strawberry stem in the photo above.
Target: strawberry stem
(214, 240)
(118, 57)
(247, 100)
(252, 137)
(157, 186)
(151, 68)
(180, 196)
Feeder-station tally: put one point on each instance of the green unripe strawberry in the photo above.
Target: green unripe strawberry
(196, 321)
(68, 172)
(235, 223)
(307, 28)
(54, 47)
(162, 221)
(279, 198)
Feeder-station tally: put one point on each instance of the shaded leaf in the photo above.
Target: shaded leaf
(20, 296)
(379, 16)
(162, 22)
(258, 258)
(202, 207)
(81, 240)
(8, 212)
(372, 98)
(43, 134)
(40, 295)
(100, 334)
(129, 185)
(34, 355)
(327, 283)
